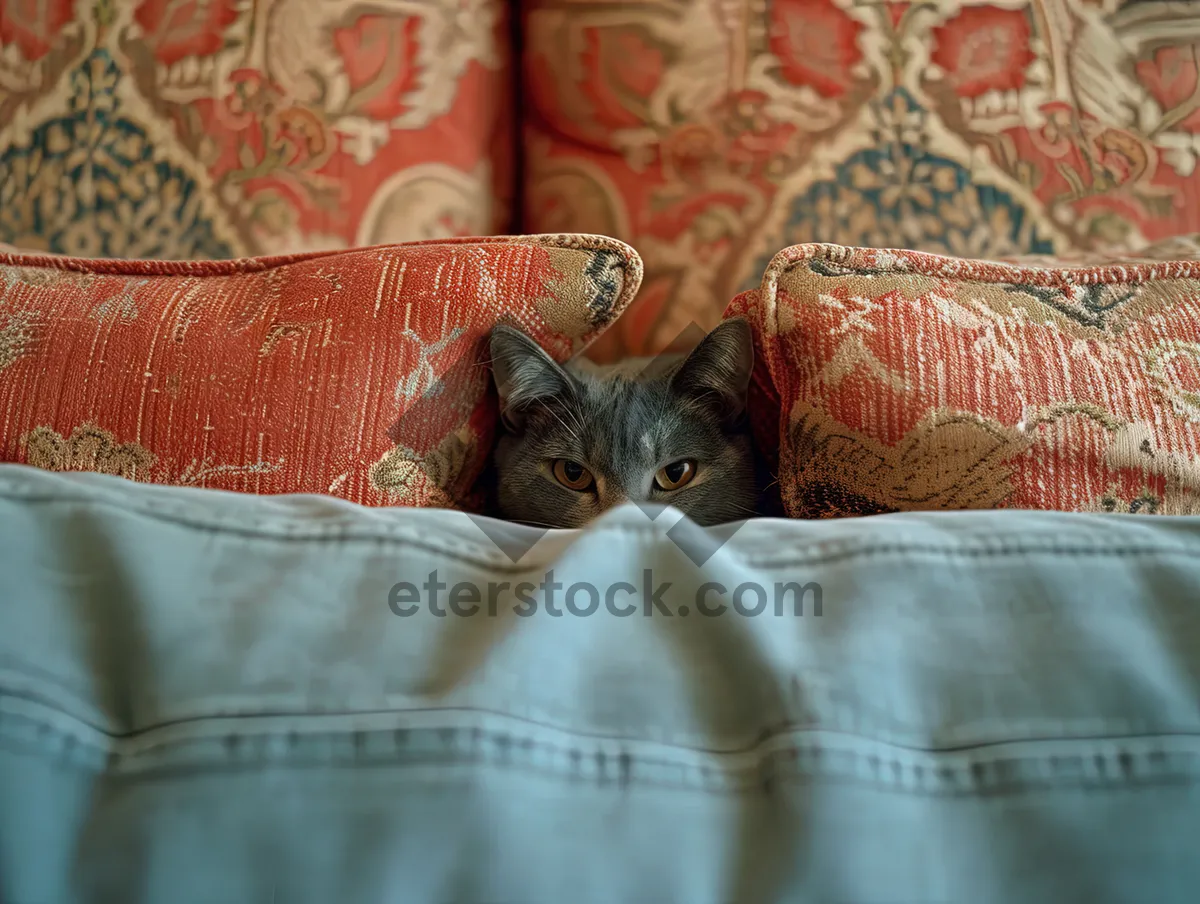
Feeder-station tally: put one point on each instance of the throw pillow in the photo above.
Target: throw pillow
(911, 381)
(354, 374)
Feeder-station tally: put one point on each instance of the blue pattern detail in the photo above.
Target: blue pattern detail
(89, 183)
(900, 195)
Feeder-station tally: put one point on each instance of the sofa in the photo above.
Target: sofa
(261, 638)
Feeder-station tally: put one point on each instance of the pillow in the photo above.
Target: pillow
(910, 381)
(351, 374)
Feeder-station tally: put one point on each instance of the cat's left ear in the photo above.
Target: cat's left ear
(525, 376)
(717, 372)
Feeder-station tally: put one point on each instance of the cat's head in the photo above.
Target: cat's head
(574, 445)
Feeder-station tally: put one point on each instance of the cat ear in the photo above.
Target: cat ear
(525, 375)
(717, 372)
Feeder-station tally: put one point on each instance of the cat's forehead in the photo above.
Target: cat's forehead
(630, 405)
(636, 423)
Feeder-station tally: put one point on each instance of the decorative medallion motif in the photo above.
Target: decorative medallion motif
(89, 183)
(219, 128)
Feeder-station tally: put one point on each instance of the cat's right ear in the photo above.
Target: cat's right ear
(525, 375)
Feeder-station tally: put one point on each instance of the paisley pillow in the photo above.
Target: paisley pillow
(351, 373)
(907, 381)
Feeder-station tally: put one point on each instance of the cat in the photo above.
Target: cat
(577, 440)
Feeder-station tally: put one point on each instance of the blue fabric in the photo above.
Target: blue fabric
(207, 697)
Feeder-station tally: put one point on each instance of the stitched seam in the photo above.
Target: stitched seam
(594, 737)
(573, 241)
(795, 761)
(969, 553)
(347, 532)
(927, 265)
(765, 778)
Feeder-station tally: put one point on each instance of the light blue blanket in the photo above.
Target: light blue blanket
(224, 699)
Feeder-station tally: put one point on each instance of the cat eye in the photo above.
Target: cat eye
(572, 474)
(675, 475)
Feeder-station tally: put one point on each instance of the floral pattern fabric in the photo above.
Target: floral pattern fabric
(711, 133)
(902, 381)
(183, 129)
(353, 374)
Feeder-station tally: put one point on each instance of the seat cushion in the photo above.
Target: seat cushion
(210, 697)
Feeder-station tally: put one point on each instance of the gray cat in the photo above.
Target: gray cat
(575, 443)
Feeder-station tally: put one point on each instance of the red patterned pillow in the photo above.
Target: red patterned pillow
(352, 374)
(911, 381)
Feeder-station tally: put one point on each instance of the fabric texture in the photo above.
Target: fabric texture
(763, 403)
(220, 129)
(357, 374)
(710, 134)
(990, 707)
(908, 381)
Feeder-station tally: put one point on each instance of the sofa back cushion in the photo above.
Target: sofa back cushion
(222, 129)
(710, 135)
(353, 374)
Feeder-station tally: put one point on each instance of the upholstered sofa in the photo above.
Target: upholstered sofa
(258, 642)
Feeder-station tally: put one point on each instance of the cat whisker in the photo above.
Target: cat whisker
(576, 420)
(742, 509)
(530, 523)
(565, 425)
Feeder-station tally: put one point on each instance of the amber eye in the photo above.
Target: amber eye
(572, 474)
(675, 475)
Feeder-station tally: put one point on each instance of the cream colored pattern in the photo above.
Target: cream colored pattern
(404, 474)
(88, 448)
(430, 201)
(17, 336)
(950, 460)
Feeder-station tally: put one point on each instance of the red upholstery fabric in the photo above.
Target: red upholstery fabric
(219, 129)
(710, 134)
